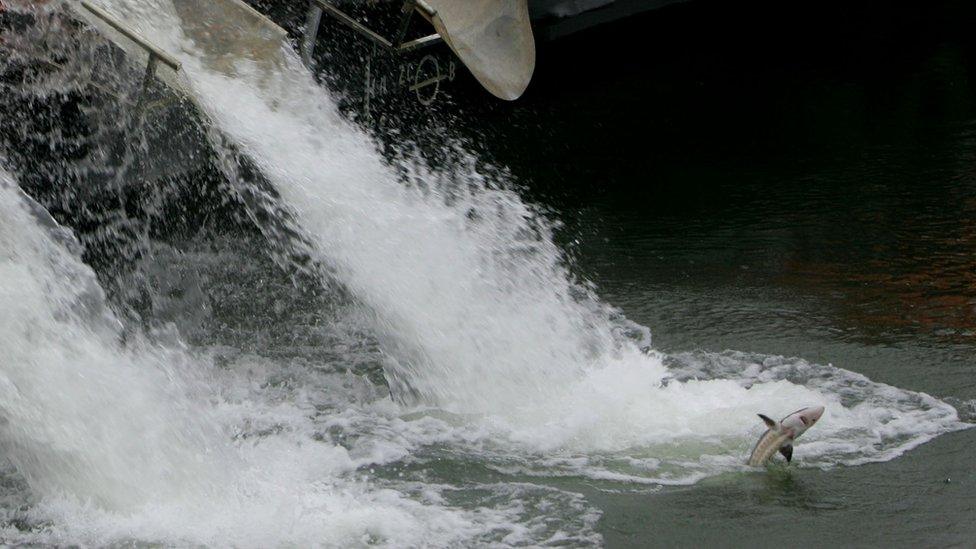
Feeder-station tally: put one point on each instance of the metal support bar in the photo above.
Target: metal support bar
(419, 43)
(147, 82)
(150, 73)
(424, 8)
(354, 25)
(405, 15)
(154, 52)
(312, 21)
(409, 6)
(369, 84)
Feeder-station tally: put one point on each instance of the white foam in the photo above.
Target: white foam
(65, 380)
(138, 442)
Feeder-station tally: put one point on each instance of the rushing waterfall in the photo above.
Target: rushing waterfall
(480, 314)
(122, 442)
(83, 415)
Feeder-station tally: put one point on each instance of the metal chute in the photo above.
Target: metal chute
(493, 38)
(226, 31)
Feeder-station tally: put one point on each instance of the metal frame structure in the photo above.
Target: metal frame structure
(396, 46)
(156, 55)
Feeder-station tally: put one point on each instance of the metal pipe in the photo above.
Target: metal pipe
(425, 9)
(419, 43)
(153, 51)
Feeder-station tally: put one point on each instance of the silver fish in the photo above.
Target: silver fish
(779, 436)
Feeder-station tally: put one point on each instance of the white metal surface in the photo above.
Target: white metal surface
(493, 38)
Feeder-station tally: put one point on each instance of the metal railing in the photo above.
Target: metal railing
(155, 54)
(397, 46)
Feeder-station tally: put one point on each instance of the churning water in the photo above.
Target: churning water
(493, 354)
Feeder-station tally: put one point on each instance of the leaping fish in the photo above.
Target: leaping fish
(779, 437)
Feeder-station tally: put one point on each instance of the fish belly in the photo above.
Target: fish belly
(766, 448)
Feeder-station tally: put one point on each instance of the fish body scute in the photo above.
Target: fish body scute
(768, 445)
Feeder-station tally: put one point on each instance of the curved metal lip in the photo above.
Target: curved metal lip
(493, 38)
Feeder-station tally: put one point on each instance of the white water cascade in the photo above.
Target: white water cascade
(479, 312)
(68, 388)
(121, 442)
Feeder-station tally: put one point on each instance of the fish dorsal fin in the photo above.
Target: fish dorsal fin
(787, 452)
(769, 423)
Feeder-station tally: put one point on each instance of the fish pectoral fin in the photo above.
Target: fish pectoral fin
(787, 452)
(769, 423)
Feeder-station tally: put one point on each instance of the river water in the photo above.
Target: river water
(558, 331)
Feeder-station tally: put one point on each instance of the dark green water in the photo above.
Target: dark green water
(805, 188)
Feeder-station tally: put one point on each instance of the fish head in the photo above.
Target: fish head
(801, 420)
(812, 414)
